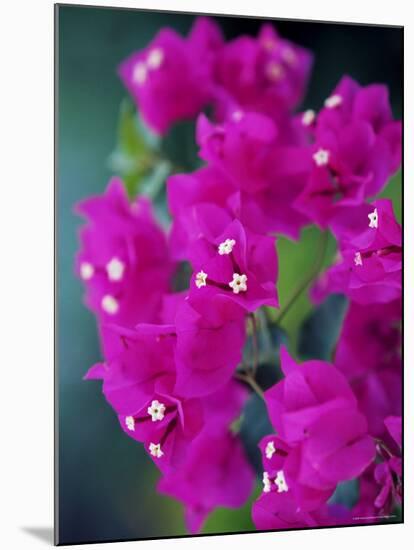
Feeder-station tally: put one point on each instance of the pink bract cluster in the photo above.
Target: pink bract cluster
(171, 358)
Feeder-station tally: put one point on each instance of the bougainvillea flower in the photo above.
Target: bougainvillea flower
(379, 394)
(388, 475)
(139, 384)
(394, 427)
(224, 405)
(370, 338)
(216, 473)
(314, 406)
(282, 465)
(266, 74)
(210, 339)
(389, 472)
(371, 266)
(267, 173)
(187, 191)
(170, 79)
(350, 102)
(124, 261)
(275, 510)
(357, 148)
(308, 390)
(368, 354)
(231, 261)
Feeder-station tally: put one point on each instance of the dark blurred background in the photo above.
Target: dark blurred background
(106, 481)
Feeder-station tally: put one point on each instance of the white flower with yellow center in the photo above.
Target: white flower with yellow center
(130, 423)
(115, 269)
(201, 279)
(86, 271)
(155, 450)
(308, 117)
(266, 483)
(333, 101)
(280, 482)
(373, 219)
(155, 58)
(358, 258)
(110, 304)
(156, 410)
(321, 157)
(226, 247)
(139, 73)
(270, 449)
(238, 284)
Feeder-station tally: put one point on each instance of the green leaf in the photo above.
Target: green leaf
(346, 494)
(136, 154)
(180, 148)
(269, 338)
(255, 424)
(319, 333)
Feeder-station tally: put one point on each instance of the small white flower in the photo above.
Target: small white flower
(226, 247)
(270, 449)
(321, 157)
(275, 71)
(358, 258)
(201, 279)
(280, 482)
(269, 44)
(308, 117)
(155, 58)
(237, 116)
(266, 483)
(238, 284)
(156, 410)
(130, 423)
(333, 101)
(373, 219)
(289, 56)
(139, 74)
(110, 304)
(115, 269)
(155, 450)
(86, 271)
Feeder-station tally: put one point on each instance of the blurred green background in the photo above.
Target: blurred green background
(106, 481)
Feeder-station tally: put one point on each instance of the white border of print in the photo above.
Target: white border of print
(26, 270)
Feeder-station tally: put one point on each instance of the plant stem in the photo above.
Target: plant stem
(252, 383)
(307, 280)
(255, 345)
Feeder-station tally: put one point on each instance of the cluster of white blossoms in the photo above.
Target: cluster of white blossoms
(373, 219)
(358, 258)
(226, 247)
(308, 117)
(87, 271)
(156, 410)
(155, 450)
(110, 304)
(130, 423)
(279, 481)
(239, 281)
(115, 269)
(270, 449)
(333, 101)
(153, 62)
(321, 157)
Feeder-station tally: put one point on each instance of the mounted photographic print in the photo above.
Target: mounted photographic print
(229, 274)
